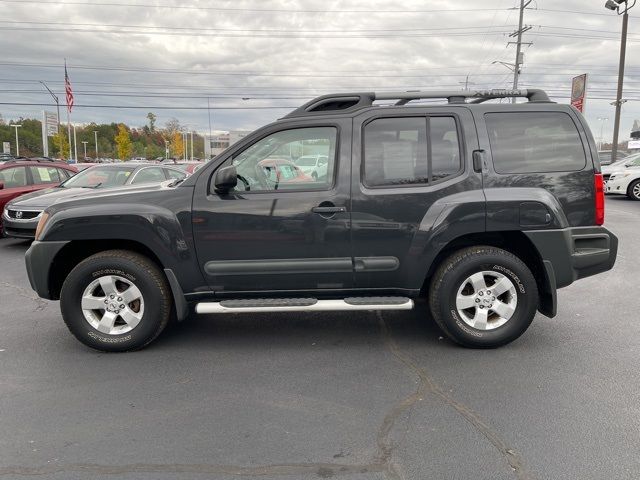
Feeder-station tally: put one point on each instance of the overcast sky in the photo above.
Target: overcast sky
(243, 54)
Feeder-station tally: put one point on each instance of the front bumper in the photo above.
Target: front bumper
(615, 186)
(19, 227)
(39, 262)
(573, 253)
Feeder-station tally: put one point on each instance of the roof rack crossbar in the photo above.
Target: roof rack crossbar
(350, 102)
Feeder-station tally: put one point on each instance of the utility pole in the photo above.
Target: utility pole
(519, 55)
(616, 5)
(192, 145)
(85, 150)
(95, 133)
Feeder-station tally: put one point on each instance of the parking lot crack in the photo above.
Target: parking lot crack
(23, 292)
(426, 385)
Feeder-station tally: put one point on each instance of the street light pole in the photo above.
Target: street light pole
(192, 145)
(602, 120)
(95, 133)
(615, 5)
(85, 149)
(75, 143)
(16, 126)
(56, 100)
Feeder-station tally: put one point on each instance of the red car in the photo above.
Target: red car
(189, 167)
(18, 177)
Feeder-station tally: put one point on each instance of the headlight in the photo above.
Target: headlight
(41, 223)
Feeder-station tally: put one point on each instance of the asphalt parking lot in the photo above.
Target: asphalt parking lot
(306, 396)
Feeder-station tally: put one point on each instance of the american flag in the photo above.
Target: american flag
(67, 88)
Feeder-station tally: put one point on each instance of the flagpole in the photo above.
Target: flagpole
(68, 118)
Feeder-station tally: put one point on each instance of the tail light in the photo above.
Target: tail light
(599, 198)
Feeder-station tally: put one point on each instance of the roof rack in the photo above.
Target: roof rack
(349, 102)
(32, 159)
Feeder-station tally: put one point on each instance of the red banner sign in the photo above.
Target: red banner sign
(579, 91)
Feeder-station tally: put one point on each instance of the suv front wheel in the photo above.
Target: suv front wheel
(483, 297)
(116, 301)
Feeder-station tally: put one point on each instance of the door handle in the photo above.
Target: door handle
(479, 161)
(328, 210)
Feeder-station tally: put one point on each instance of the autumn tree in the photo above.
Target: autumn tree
(61, 145)
(177, 145)
(123, 142)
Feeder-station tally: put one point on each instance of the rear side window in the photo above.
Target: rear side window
(399, 151)
(534, 142)
(14, 177)
(43, 175)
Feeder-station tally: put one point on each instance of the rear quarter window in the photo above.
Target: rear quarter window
(534, 142)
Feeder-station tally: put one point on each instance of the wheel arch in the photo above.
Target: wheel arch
(514, 242)
(78, 250)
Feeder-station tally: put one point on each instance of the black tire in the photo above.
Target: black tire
(633, 192)
(134, 268)
(451, 276)
(314, 175)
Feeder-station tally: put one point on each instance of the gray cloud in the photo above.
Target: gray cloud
(227, 55)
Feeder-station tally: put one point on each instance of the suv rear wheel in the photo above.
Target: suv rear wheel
(483, 297)
(116, 301)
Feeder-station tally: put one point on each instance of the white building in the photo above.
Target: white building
(218, 142)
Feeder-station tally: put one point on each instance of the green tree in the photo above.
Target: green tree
(152, 121)
(61, 145)
(123, 142)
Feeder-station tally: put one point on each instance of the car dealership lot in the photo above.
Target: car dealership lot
(353, 395)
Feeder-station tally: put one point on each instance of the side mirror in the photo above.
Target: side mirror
(225, 179)
(1, 185)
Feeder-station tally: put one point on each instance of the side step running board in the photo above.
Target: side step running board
(305, 305)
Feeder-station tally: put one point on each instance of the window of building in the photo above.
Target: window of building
(534, 142)
(398, 150)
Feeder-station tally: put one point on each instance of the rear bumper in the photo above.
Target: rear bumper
(39, 262)
(574, 253)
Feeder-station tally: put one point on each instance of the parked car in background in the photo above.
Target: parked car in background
(189, 167)
(625, 182)
(279, 171)
(629, 161)
(19, 177)
(21, 216)
(5, 156)
(313, 165)
(605, 156)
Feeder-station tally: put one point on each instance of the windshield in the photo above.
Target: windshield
(99, 177)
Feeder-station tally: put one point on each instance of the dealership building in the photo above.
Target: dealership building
(218, 142)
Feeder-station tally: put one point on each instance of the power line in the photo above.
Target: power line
(269, 30)
(243, 10)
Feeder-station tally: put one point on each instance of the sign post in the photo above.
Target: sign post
(6, 147)
(579, 92)
(49, 129)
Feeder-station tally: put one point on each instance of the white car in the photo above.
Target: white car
(313, 165)
(625, 182)
(630, 161)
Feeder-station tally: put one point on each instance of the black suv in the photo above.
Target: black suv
(483, 208)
